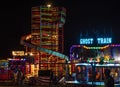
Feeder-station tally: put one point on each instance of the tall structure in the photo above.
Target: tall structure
(47, 27)
(47, 32)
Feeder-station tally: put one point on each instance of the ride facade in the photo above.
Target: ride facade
(46, 41)
(91, 57)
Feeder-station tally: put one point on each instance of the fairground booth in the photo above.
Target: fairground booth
(4, 70)
(92, 56)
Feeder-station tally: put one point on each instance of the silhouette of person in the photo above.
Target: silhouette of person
(15, 77)
(79, 73)
(109, 80)
(19, 77)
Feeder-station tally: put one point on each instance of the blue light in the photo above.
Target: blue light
(99, 40)
(86, 41)
(104, 40)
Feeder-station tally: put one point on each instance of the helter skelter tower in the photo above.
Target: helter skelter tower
(47, 32)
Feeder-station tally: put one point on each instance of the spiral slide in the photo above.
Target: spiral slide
(26, 43)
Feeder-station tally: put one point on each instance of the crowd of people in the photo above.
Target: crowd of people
(109, 80)
(95, 75)
(18, 77)
(81, 75)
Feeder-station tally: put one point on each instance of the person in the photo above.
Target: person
(15, 77)
(98, 75)
(19, 77)
(84, 73)
(79, 73)
(109, 80)
(90, 74)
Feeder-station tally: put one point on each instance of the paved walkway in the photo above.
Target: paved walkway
(10, 84)
(33, 86)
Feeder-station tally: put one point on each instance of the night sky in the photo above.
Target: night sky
(82, 16)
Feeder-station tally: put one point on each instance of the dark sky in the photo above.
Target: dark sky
(82, 16)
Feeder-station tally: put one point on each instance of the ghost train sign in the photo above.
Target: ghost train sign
(97, 40)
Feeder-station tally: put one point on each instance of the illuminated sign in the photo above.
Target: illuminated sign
(86, 41)
(104, 40)
(18, 53)
(99, 41)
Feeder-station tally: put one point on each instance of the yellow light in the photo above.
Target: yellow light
(31, 54)
(18, 53)
(48, 5)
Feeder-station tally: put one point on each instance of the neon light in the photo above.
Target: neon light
(99, 41)
(86, 41)
(98, 65)
(86, 47)
(93, 47)
(104, 40)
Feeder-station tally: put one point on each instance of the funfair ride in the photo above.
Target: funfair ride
(46, 39)
(89, 63)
